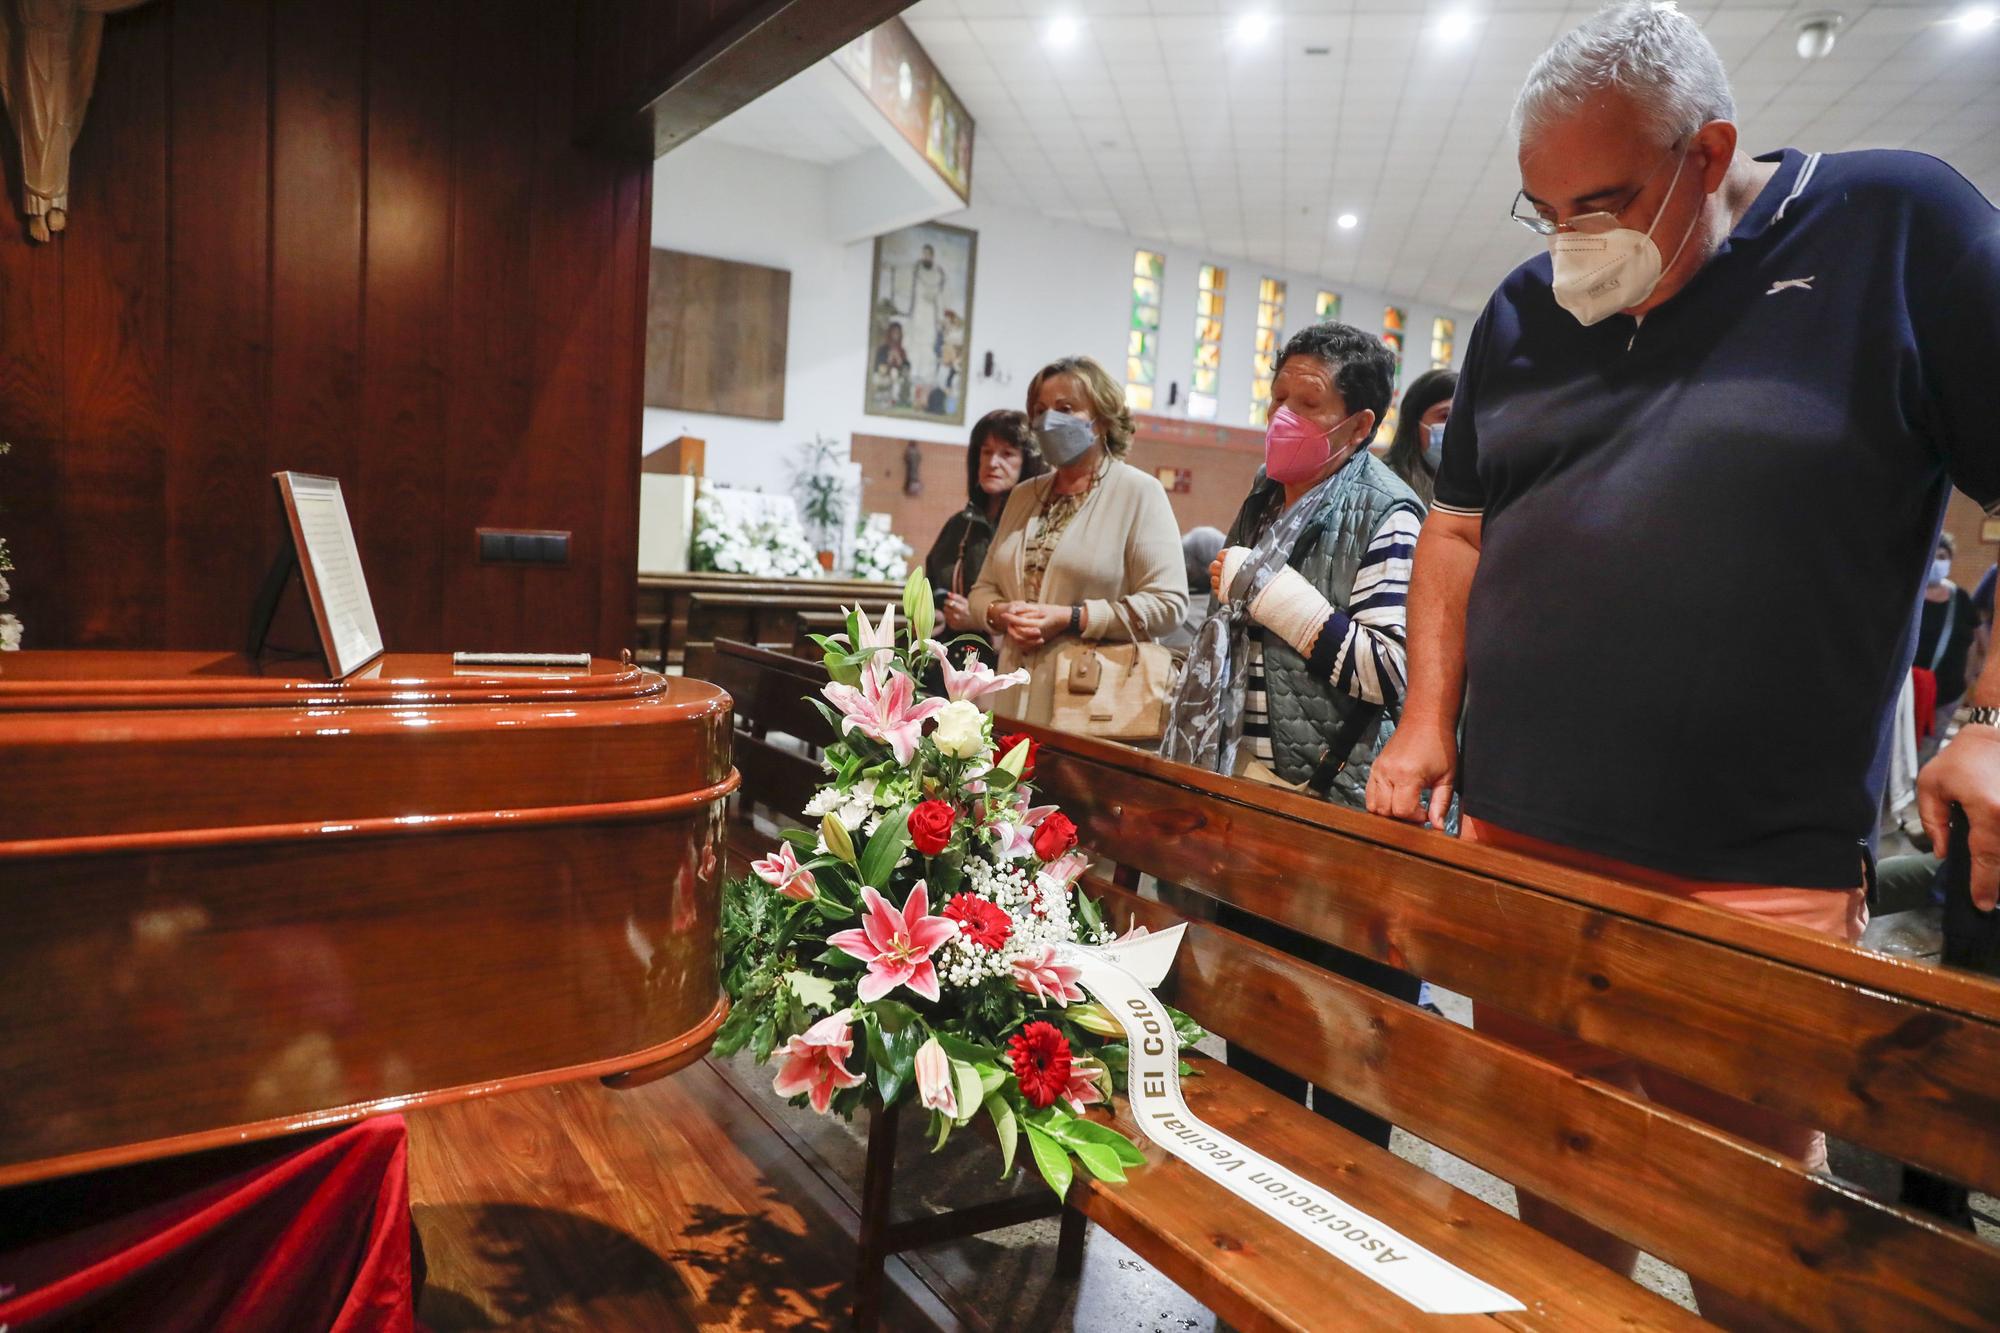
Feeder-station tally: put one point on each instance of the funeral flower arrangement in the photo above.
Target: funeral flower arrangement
(909, 947)
(880, 554)
(764, 544)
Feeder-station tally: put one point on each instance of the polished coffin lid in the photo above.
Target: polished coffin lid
(110, 749)
(245, 900)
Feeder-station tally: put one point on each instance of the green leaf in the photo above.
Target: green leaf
(840, 668)
(1087, 908)
(799, 837)
(1007, 1126)
(991, 1079)
(1079, 1131)
(942, 1124)
(1100, 1161)
(968, 1088)
(878, 862)
(813, 992)
(972, 1052)
(846, 962)
(1051, 1159)
(892, 1043)
(735, 1029)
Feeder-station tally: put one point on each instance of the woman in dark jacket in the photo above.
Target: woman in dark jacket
(1002, 455)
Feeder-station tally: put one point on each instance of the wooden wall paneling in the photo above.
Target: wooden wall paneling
(218, 236)
(716, 334)
(318, 174)
(115, 355)
(406, 321)
(31, 411)
(622, 402)
(570, 238)
(495, 198)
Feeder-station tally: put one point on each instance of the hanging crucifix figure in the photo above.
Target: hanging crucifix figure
(48, 63)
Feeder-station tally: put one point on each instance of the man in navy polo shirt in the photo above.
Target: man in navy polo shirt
(1692, 480)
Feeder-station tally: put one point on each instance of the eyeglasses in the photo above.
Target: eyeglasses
(1589, 224)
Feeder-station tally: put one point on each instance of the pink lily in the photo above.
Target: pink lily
(1041, 976)
(934, 1082)
(1015, 838)
(881, 634)
(1087, 1079)
(782, 871)
(816, 1062)
(897, 946)
(977, 680)
(884, 710)
(1065, 868)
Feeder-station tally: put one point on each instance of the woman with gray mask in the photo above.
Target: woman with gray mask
(1090, 550)
(1418, 448)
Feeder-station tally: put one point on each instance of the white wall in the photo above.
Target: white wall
(1042, 289)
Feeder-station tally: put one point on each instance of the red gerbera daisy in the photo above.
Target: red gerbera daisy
(979, 921)
(1040, 1056)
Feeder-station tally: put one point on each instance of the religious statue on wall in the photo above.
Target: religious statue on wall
(48, 64)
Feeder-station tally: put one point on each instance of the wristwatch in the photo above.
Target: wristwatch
(1982, 717)
(1076, 623)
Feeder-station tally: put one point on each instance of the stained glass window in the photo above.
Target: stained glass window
(1142, 349)
(1210, 289)
(1392, 334)
(1270, 329)
(1327, 306)
(1443, 332)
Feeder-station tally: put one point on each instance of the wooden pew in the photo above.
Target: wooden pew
(1900, 1057)
(664, 604)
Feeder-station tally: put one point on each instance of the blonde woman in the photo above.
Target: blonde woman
(1088, 550)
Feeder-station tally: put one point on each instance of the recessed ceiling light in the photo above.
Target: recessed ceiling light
(1347, 222)
(1978, 18)
(1060, 32)
(1253, 27)
(1455, 25)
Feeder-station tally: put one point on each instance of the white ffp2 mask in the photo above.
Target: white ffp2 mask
(1598, 274)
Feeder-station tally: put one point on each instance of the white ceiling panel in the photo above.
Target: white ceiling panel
(1156, 120)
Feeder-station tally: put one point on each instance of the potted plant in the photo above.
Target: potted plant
(820, 486)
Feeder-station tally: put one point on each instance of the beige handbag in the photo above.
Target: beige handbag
(1116, 691)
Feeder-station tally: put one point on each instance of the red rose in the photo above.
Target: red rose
(979, 921)
(1054, 836)
(930, 826)
(1040, 1056)
(1007, 743)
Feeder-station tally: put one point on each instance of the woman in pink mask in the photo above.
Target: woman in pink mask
(1296, 679)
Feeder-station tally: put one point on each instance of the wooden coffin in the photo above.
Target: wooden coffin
(242, 902)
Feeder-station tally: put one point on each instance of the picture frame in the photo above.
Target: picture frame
(920, 323)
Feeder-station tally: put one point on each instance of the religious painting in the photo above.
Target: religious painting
(920, 323)
(896, 74)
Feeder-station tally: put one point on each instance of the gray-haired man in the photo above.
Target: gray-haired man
(1729, 374)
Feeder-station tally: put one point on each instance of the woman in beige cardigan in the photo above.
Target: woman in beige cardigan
(1088, 550)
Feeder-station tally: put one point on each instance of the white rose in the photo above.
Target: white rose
(961, 729)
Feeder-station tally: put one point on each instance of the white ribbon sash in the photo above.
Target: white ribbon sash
(1120, 977)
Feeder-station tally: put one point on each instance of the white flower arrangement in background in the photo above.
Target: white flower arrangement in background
(10, 626)
(879, 553)
(766, 544)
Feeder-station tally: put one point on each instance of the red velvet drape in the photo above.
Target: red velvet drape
(304, 1233)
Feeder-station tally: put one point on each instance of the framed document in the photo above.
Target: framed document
(330, 566)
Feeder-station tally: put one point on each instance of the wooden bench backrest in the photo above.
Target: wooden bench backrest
(1901, 1057)
(664, 602)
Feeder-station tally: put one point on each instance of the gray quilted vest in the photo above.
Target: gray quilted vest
(1306, 712)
